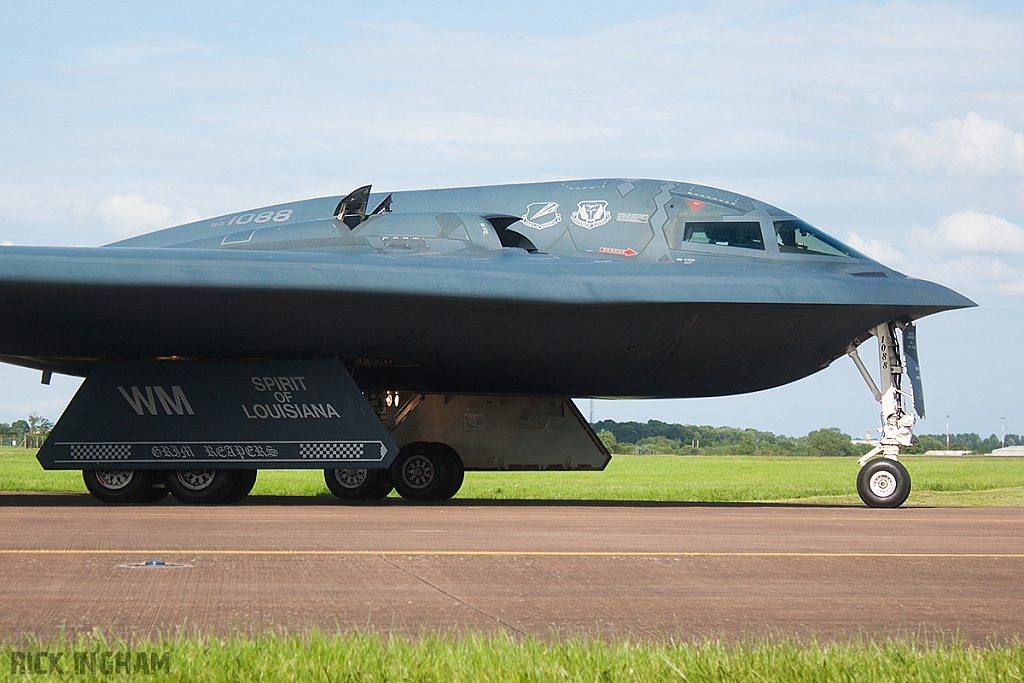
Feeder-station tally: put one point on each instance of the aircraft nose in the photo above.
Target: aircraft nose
(910, 296)
(925, 297)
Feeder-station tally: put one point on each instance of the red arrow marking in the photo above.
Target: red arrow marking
(624, 252)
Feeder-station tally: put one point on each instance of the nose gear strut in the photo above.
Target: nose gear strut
(888, 485)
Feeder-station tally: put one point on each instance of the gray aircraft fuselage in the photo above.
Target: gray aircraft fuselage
(627, 288)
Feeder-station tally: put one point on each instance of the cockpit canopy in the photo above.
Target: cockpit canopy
(792, 236)
(799, 237)
(744, 234)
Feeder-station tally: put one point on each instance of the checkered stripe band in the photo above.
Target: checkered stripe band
(101, 451)
(333, 451)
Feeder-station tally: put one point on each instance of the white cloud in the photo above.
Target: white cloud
(970, 250)
(6, 243)
(973, 249)
(50, 408)
(979, 275)
(972, 146)
(133, 214)
(973, 231)
(877, 249)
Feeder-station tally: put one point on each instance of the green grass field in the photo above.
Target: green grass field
(482, 658)
(939, 481)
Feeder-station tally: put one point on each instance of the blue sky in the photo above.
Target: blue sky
(898, 127)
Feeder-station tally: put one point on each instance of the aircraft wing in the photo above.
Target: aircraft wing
(449, 321)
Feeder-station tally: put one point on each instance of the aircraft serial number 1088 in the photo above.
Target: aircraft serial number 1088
(396, 341)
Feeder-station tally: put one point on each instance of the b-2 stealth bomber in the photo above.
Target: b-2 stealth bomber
(396, 340)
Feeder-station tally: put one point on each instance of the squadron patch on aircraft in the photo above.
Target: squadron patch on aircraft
(542, 210)
(591, 214)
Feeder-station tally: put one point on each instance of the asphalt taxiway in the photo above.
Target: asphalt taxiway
(617, 569)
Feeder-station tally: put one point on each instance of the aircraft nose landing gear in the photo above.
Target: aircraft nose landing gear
(883, 481)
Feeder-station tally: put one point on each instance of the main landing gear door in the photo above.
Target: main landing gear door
(219, 415)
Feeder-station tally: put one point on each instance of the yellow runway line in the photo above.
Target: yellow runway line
(499, 553)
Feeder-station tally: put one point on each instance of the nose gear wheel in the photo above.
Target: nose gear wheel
(883, 483)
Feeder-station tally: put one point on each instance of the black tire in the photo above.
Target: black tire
(382, 492)
(421, 472)
(883, 483)
(244, 482)
(118, 487)
(201, 487)
(385, 487)
(458, 470)
(355, 483)
(155, 494)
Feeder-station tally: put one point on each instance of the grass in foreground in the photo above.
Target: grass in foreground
(481, 658)
(708, 479)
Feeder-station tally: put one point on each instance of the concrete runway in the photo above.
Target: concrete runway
(643, 570)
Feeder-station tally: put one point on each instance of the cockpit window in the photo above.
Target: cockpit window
(738, 234)
(797, 237)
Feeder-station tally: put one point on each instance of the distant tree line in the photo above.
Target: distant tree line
(29, 433)
(961, 442)
(656, 436)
